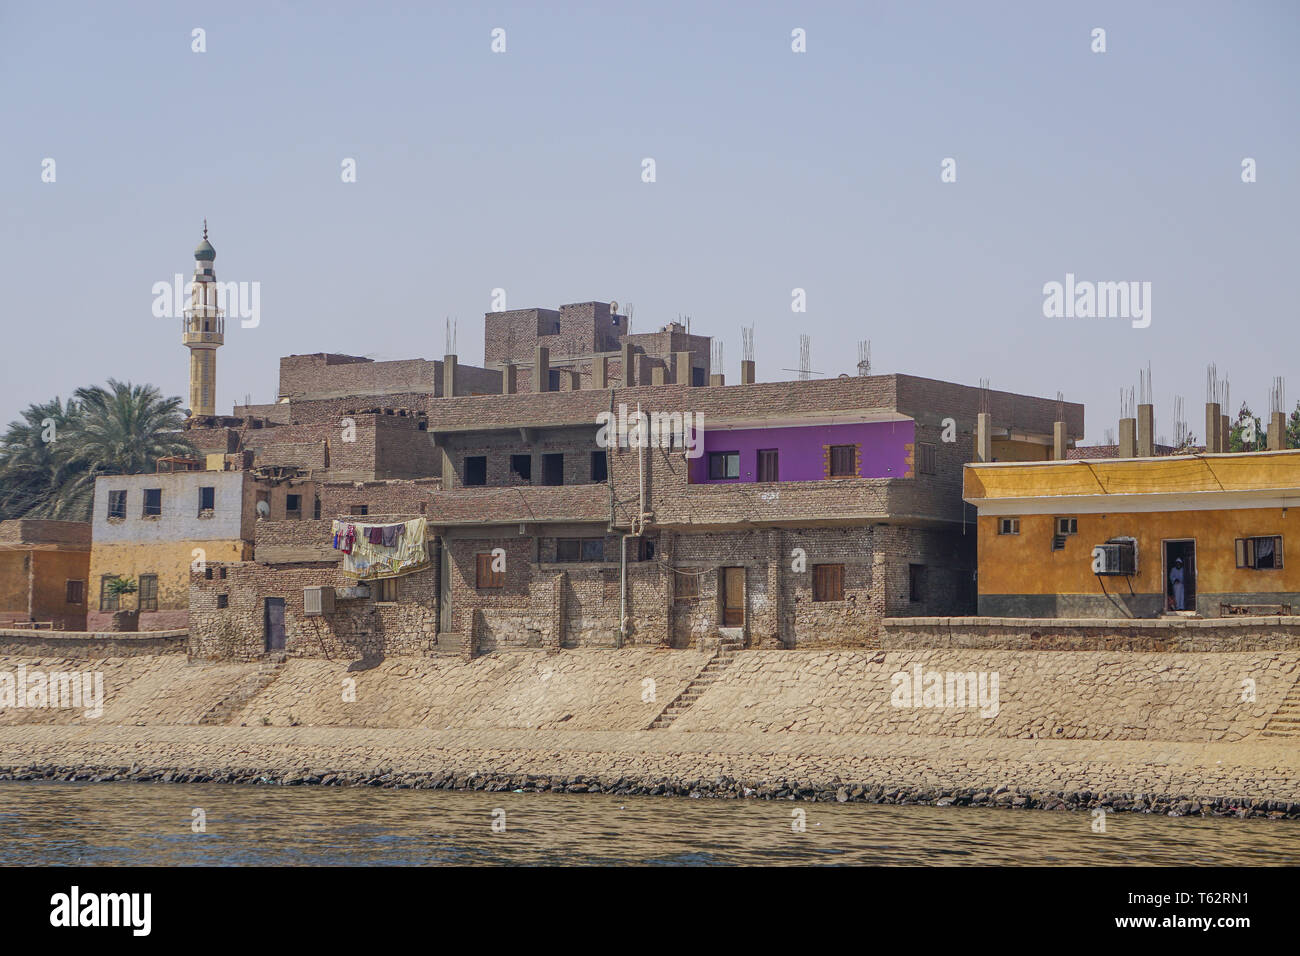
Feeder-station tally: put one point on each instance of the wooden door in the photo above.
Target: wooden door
(275, 624)
(768, 469)
(733, 597)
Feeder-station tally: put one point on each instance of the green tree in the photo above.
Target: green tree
(1293, 428)
(121, 429)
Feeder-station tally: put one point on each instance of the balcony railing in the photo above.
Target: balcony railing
(203, 325)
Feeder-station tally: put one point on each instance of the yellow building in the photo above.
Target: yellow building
(1137, 537)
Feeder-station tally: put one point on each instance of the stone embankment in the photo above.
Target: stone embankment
(1181, 734)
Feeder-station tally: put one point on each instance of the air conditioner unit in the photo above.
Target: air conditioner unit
(1115, 558)
(317, 601)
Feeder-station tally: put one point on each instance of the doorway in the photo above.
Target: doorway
(733, 597)
(1180, 550)
(274, 624)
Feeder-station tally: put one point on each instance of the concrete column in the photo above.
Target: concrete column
(1225, 433)
(657, 375)
(1146, 425)
(717, 380)
(1059, 441)
(683, 368)
(1213, 423)
(448, 376)
(600, 371)
(983, 437)
(1277, 432)
(747, 372)
(510, 379)
(629, 365)
(542, 369)
(1128, 438)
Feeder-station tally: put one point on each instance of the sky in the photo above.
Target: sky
(774, 170)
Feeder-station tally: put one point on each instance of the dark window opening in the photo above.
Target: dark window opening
(553, 380)
(475, 470)
(599, 466)
(698, 378)
(1008, 526)
(359, 510)
(386, 590)
(522, 465)
(915, 582)
(221, 573)
(293, 506)
(724, 464)
(315, 508)
(580, 549)
(645, 549)
(75, 592)
(769, 467)
(207, 499)
(828, 582)
(223, 600)
(844, 461)
(1262, 554)
(152, 502)
(927, 458)
(148, 591)
(553, 469)
(117, 504)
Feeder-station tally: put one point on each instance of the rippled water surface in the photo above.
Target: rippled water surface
(139, 823)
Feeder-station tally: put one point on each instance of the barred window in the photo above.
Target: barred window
(117, 504)
(107, 599)
(148, 591)
(843, 461)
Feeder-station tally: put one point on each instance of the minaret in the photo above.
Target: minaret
(203, 330)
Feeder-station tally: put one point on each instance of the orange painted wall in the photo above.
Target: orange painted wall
(1026, 564)
(53, 571)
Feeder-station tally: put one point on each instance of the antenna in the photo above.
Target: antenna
(747, 343)
(864, 357)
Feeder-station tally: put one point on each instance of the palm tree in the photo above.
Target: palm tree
(33, 463)
(121, 429)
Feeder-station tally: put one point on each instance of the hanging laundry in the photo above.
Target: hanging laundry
(391, 533)
(375, 534)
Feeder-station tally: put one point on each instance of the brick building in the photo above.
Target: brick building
(786, 514)
(44, 566)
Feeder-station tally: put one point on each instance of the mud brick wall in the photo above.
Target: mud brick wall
(410, 498)
(576, 444)
(1215, 635)
(323, 374)
(358, 628)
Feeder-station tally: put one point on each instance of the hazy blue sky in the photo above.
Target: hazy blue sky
(775, 170)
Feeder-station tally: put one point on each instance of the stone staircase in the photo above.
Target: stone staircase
(1285, 721)
(728, 645)
(252, 685)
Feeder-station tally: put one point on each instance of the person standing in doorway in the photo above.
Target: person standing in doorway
(1176, 583)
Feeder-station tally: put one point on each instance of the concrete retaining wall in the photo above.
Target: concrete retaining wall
(89, 645)
(1041, 634)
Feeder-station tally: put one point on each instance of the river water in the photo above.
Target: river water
(109, 824)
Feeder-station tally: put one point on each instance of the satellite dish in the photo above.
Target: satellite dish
(844, 376)
(613, 308)
(263, 509)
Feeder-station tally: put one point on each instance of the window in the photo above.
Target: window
(645, 550)
(580, 549)
(207, 574)
(359, 510)
(487, 578)
(148, 592)
(927, 458)
(844, 461)
(724, 464)
(1262, 554)
(599, 466)
(698, 379)
(385, 590)
(107, 599)
(75, 592)
(117, 504)
(553, 469)
(475, 470)
(828, 582)
(769, 466)
(522, 465)
(152, 502)
(223, 600)
(1008, 526)
(1067, 525)
(207, 499)
(686, 586)
(553, 380)
(915, 582)
(221, 573)
(293, 506)
(315, 508)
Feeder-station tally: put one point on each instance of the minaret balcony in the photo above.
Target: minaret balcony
(203, 327)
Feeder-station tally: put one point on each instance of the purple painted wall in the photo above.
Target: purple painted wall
(801, 458)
